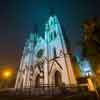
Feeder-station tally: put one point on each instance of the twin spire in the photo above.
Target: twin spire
(35, 36)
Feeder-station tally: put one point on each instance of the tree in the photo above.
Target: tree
(91, 41)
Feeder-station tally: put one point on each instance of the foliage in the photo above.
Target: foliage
(91, 41)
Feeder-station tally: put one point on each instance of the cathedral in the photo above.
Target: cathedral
(46, 61)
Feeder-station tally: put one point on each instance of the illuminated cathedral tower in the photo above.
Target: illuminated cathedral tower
(46, 61)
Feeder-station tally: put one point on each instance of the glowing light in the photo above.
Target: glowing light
(85, 66)
(90, 85)
(7, 74)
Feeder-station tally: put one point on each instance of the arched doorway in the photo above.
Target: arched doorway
(37, 81)
(21, 84)
(58, 81)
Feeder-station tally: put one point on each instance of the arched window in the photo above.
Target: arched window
(55, 34)
(37, 81)
(54, 51)
(51, 36)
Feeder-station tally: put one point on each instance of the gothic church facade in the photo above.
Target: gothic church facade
(46, 61)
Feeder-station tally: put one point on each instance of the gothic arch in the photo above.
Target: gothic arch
(37, 81)
(55, 75)
(36, 77)
(58, 80)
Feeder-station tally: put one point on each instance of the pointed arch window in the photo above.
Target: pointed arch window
(51, 36)
(54, 51)
(55, 34)
(37, 84)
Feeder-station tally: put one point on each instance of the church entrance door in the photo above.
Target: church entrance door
(58, 81)
(37, 82)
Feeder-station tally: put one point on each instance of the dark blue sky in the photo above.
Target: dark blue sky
(18, 17)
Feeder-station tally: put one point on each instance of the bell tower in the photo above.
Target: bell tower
(25, 72)
(60, 69)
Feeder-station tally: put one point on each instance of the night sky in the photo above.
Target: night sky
(18, 17)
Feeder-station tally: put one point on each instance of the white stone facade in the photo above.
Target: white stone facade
(45, 61)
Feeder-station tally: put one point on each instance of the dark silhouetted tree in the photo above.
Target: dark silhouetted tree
(91, 41)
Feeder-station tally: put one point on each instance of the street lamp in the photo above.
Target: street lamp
(6, 77)
(7, 74)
